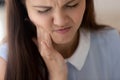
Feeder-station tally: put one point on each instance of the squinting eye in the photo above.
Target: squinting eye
(72, 6)
(44, 11)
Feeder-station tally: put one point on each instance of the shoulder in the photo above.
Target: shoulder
(109, 36)
(3, 58)
(106, 43)
(107, 31)
(107, 39)
(2, 68)
(4, 51)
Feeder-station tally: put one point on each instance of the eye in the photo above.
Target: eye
(72, 5)
(44, 10)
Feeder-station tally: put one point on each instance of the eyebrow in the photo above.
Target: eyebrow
(50, 7)
(41, 6)
(70, 1)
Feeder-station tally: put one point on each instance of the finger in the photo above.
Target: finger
(45, 36)
(48, 40)
(53, 60)
(50, 54)
(45, 51)
(47, 56)
(40, 36)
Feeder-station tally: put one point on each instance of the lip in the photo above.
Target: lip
(63, 30)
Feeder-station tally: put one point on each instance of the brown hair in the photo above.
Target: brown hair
(89, 19)
(24, 60)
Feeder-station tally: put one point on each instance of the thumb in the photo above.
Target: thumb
(54, 62)
(46, 52)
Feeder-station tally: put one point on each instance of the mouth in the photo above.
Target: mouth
(63, 30)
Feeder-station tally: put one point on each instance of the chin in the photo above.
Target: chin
(62, 41)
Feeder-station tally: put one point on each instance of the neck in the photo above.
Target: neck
(68, 49)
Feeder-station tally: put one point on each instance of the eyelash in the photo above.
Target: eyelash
(67, 6)
(72, 6)
(47, 10)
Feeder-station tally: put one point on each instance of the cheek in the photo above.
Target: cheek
(40, 21)
(77, 16)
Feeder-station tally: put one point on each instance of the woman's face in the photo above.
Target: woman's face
(60, 18)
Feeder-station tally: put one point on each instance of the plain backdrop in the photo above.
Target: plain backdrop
(107, 12)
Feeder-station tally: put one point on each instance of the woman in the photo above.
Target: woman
(42, 33)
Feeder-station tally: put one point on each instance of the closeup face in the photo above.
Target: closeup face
(60, 18)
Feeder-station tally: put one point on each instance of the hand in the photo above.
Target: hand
(55, 62)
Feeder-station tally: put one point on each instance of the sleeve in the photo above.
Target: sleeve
(109, 39)
(3, 51)
(113, 39)
(116, 56)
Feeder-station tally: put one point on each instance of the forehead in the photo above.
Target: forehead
(48, 2)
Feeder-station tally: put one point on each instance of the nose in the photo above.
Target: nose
(60, 19)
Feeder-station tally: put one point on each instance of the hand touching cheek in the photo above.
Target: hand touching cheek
(55, 62)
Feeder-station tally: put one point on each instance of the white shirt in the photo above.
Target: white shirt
(80, 54)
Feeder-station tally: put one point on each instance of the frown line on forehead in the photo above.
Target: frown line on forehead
(51, 2)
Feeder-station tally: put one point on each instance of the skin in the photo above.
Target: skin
(54, 41)
(55, 15)
(57, 23)
(54, 61)
(2, 68)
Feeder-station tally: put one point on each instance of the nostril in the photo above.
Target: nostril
(60, 21)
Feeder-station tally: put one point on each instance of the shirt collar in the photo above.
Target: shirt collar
(80, 54)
